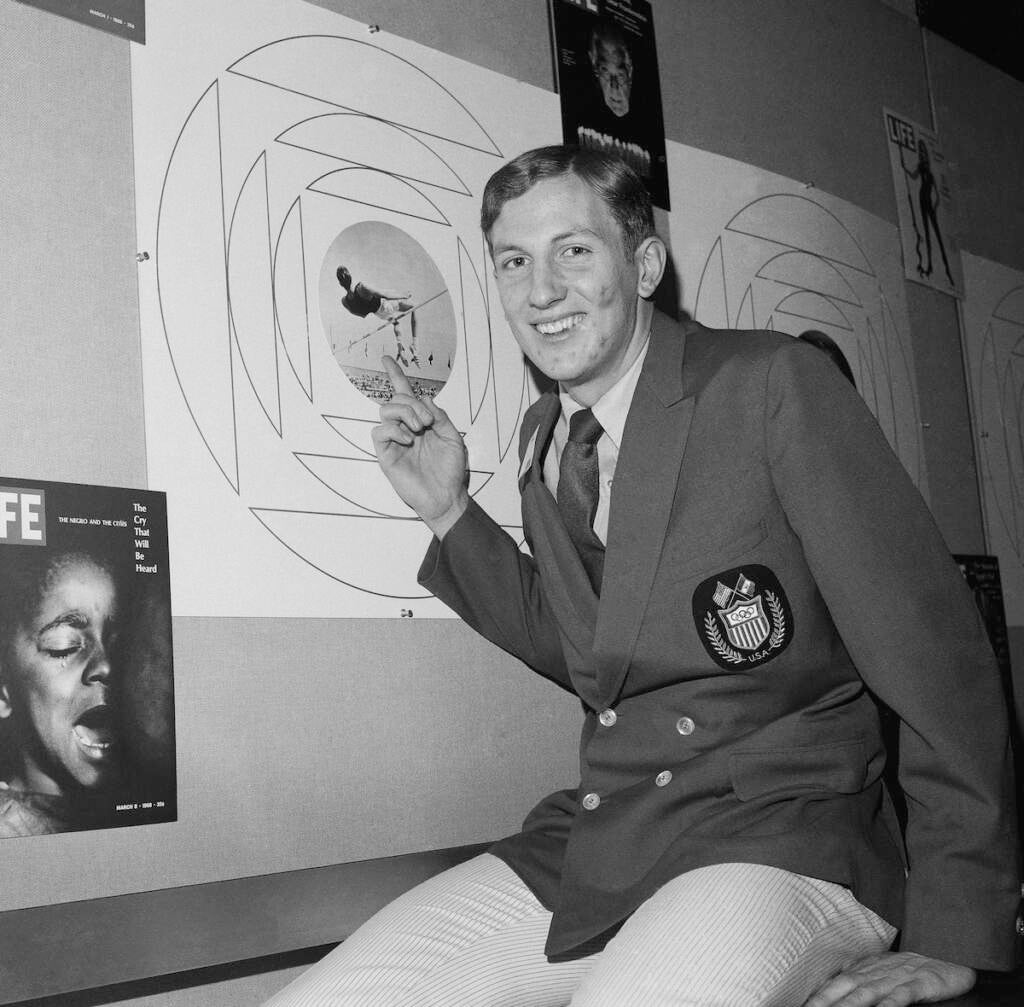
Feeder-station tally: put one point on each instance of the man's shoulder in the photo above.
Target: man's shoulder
(749, 344)
(724, 354)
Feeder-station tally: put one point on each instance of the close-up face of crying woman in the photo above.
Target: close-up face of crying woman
(58, 673)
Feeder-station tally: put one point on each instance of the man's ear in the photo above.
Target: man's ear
(651, 258)
(5, 699)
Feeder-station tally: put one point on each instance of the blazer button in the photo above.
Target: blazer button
(591, 801)
(663, 779)
(685, 725)
(1020, 925)
(607, 717)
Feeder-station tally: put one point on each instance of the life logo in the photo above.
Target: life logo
(22, 516)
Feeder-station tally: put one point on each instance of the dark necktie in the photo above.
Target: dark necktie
(578, 481)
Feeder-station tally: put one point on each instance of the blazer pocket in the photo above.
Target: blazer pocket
(838, 768)
(716, 555)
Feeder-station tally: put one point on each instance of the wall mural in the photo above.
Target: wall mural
(307, 199)
(993, 332)
(314, 207)
(757, 250)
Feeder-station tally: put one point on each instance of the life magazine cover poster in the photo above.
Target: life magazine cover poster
(607, 69)
(86, 679)
(925, 200)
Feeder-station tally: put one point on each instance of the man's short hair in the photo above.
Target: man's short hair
(617, 185)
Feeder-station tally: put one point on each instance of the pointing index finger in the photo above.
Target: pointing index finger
(399, 381)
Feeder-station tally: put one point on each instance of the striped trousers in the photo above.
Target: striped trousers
(730, 935)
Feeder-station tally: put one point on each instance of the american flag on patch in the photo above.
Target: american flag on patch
(721, 595)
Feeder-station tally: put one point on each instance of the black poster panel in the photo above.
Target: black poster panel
(606, 65)
(87, 735)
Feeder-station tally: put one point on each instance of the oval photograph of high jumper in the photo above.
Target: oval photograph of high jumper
(381, 293)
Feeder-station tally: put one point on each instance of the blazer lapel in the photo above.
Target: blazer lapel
(566, 588)
(541, 416)
(645, 487)
(564, 571)
(565, 581)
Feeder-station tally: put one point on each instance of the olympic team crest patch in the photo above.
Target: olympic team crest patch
(743, 617)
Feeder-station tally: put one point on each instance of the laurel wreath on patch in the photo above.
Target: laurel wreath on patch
(732, 655)
(778, 620)
(722, 648)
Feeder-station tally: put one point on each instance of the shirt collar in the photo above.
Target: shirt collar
(611, 408)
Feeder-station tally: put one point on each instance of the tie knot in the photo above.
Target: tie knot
(584, 427)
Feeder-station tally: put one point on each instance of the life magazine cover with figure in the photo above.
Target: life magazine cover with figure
(926, 202)
(86, 669)
(607, 69)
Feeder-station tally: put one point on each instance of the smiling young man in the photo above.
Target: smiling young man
(569, 286)
(755, 564)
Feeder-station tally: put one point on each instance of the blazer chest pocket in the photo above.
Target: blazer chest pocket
(706, 554)
(778, 773)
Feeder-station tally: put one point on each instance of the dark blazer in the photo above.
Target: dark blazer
(769, 565)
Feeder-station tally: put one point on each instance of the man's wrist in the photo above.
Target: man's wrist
(441, 525)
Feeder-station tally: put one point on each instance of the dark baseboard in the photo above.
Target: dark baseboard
(179, 937)
(119, 992)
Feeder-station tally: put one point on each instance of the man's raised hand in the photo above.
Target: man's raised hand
(422, 454)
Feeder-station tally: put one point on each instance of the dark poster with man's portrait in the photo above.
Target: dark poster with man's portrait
(86, 668)
(607, 71)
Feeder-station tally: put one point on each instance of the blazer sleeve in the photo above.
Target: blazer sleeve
(911, 627)
(478, 571)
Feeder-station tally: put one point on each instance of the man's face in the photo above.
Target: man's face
(54, 680)
(615, 76)
(569, 292)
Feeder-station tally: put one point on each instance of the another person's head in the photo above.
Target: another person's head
(576, 259)
(58, 624)
(612, 64)
(829, 346)
(344, 277)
